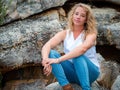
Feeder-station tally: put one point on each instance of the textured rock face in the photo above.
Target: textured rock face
(19, 42)
(20, 9)
(108, 26)
(56, 86)
(108, 73)
(116, 84)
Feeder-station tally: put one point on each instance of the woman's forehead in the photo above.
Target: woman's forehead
(80, 9)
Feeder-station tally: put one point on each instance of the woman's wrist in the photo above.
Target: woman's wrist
(44, 58)
(58, 60)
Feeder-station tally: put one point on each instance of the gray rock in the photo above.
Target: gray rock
(108, 73)
(20, 9)
(19, 41)
(116, 84)
(108, 26)
(56, 86)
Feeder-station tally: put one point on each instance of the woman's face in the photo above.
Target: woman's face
(79, 17)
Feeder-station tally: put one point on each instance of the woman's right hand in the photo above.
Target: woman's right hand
(47, 70)
(47, 67)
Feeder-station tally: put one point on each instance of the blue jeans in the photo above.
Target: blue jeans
(82, 71)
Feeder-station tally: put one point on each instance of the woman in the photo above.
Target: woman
(79, 64)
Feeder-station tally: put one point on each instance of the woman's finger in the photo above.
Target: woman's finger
(48, 70)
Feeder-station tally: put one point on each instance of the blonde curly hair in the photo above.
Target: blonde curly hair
(90, 25)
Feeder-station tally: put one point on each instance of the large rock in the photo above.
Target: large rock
(108, 26)
(56, 86)
(19, 41)
(20, 9)
(116, 84)
(108, 73)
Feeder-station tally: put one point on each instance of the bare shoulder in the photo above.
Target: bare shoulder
(91, 36)
(90, 39)
(62, 34)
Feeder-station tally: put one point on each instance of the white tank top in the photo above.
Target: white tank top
(70, 43)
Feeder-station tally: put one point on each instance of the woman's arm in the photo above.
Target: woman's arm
(53, 42)
(81, 49)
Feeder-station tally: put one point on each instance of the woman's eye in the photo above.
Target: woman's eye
(83, 15)
(76, 13)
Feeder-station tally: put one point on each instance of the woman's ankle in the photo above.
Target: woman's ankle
(68, 87)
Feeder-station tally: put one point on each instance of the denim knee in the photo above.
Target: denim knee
(79, 58)
(54, 54)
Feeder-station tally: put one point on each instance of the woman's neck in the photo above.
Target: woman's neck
(77, 31)
(78, 28)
